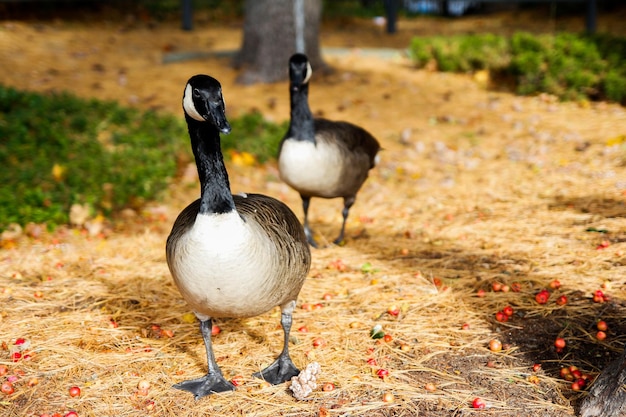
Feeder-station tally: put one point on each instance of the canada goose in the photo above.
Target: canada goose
(319, 157)
(232, 256)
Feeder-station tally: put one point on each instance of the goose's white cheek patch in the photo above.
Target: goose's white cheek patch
(188, 105)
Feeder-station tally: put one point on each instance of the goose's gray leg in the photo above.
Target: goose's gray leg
(347, 203)
(213, 381)
(283, 368)
(307, 230)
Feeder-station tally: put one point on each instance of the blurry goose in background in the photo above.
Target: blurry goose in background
(319, 157)
(232, 256)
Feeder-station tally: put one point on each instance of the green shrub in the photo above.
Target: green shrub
(58, 150)
(460, 53)
(523, 42)
(486, 51)
(420, 51)
(614, 86)
(567, 65)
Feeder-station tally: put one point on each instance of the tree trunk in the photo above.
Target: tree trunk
(607, 396)
(270, 38)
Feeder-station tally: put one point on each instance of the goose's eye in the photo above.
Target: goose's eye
(196, 93)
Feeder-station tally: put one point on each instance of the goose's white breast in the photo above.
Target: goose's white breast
(306, 166)
(223, 267)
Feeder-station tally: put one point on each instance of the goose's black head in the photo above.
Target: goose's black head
(300, 71)
(203, 101)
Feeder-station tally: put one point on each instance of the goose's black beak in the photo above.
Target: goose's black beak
(218, 114)
(225, 129)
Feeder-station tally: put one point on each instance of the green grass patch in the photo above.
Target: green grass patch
(254, 134)
(567, 65)
(58, 150)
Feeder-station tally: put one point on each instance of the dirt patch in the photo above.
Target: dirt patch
(474, 187)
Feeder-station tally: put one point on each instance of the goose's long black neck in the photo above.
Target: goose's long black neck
(301, 125)
(215, 195)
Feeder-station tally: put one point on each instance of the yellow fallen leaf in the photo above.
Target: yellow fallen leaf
(189, 318)
(482, 77)
(248, 158)
(242, 158)
(58, 172)
(617, 140)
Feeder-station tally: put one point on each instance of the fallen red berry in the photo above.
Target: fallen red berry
(319, 342)
(508, 310)
(562, 300)
(536, 367)
(393, 310)
(600, 335)
(600, 297)
(329, 386)
(495, 345)
(555, 284)
(559, 343)
(601, 325)
(542, 296)
(215, 330)
(3, 370)
(566, 374)
(501, 317)
(7, 388)
(479, 403)
(382, 373)
(74, 391)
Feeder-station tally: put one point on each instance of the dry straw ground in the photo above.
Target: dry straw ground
(475, 187)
